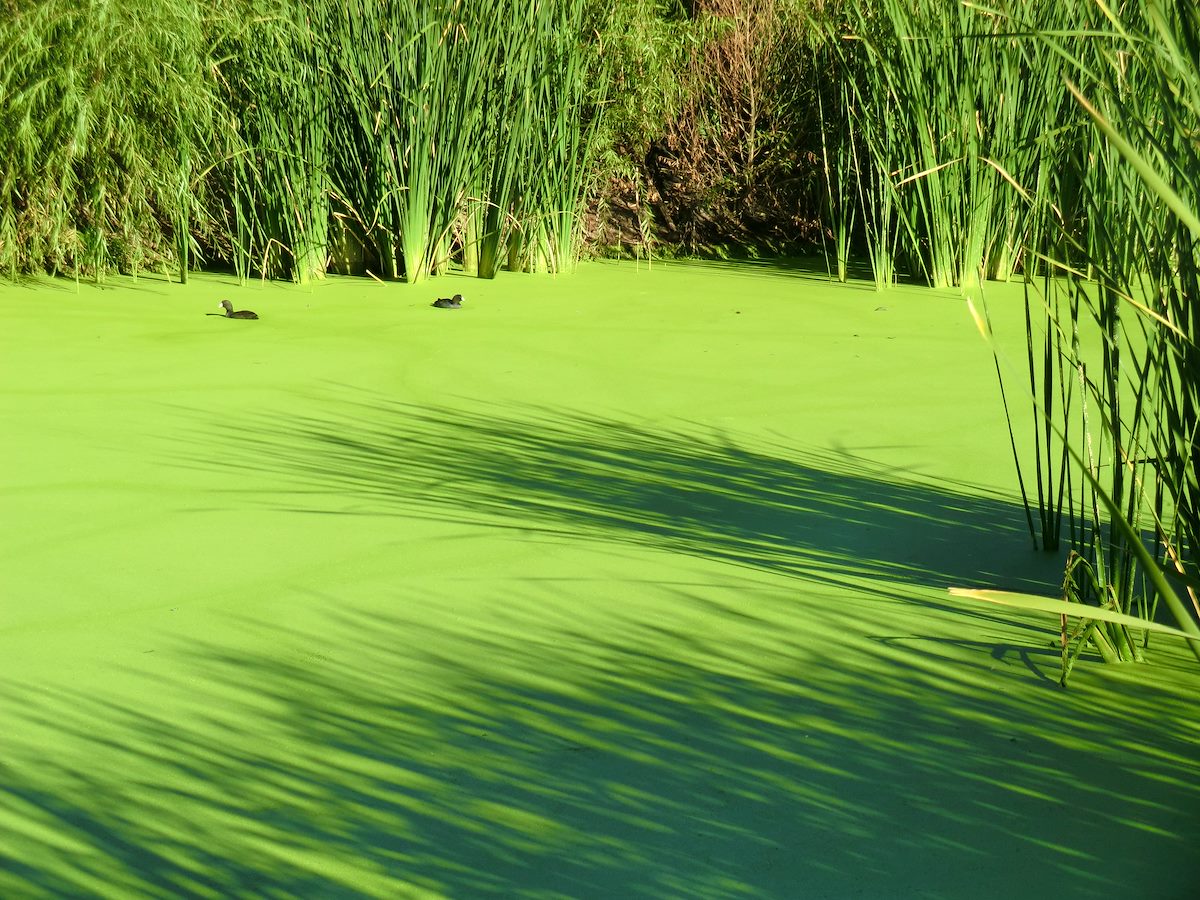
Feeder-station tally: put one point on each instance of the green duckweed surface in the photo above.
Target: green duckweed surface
(625, 584)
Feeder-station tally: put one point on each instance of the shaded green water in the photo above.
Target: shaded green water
(628, 584)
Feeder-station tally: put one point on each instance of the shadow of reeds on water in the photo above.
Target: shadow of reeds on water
(688, 744)
(684, 489)
(461, 759)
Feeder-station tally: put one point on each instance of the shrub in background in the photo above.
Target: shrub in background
(108, 114)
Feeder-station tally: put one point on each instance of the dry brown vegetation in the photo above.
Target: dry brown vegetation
(732, 166)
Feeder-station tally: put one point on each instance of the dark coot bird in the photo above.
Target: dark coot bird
(454, 302)
(231, 313)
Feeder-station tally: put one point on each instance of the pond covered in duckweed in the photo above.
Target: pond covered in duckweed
(631, 583)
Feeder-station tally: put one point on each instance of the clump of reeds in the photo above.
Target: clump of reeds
(937, 111)
(1055, 141)
(448, 131)
(106, 121)
(260, 134)
(1138, 81)
(1111, 328)
(274, 176)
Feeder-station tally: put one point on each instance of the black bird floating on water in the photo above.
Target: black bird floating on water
(454, 302)
(231, 313)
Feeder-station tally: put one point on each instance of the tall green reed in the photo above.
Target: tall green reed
(1143, 95)
(506, 125)
(461, 125)
(381, 127)
(838, 169)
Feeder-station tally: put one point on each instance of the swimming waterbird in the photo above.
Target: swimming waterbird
(232, 313)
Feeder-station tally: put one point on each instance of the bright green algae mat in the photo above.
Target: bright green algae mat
(625, 584)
